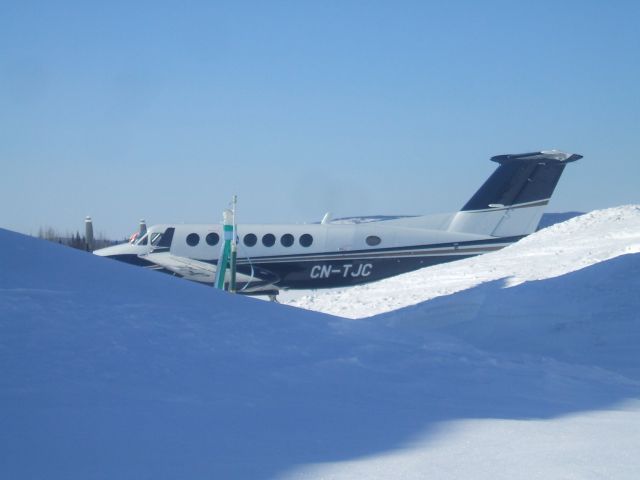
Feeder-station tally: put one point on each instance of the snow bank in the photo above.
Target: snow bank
(112, 371)
(590, 316)
(561, 248)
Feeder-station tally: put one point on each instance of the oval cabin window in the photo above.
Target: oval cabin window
(268, 240)
(286, 240)
(212, 238)
(250, 239)
(373, 240)
(193, 239)
(306, 240)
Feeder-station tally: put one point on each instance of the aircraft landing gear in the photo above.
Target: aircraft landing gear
(273, 298)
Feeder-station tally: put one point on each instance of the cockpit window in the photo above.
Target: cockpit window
(155, 238)
(143, 240)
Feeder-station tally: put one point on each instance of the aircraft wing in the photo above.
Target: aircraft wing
(205, 272)
(185, 267)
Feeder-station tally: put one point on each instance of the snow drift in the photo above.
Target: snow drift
(111, 371)
(559, 249)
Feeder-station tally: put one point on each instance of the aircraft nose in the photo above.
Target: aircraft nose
(114, 250)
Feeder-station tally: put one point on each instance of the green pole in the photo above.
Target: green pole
(234, 247)
(232, 266)
(225, 250)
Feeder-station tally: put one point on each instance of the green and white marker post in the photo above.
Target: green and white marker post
(225, 249)
(234, 245)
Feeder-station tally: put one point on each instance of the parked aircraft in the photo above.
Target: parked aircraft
(507, 207)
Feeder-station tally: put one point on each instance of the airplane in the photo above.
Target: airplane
(271, 257)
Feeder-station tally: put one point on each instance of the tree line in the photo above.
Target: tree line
(75, 240)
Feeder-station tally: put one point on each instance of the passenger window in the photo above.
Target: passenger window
(306, 240)
(268, 240)
(286, 240)
(250, 239)
(373, 240)
(212, 238)
(193, 239)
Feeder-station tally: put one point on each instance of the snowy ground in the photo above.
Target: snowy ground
(111, 371)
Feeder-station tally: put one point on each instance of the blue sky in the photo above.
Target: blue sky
(163, 110)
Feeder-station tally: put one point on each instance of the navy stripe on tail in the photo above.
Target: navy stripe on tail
(521, 178)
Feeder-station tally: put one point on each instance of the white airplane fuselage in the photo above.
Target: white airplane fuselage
(323, 255)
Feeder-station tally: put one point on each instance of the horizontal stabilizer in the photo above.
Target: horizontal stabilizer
(545, 155)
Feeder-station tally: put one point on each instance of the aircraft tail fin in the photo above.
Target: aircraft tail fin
(512, 200)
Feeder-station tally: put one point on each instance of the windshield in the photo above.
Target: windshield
(155, 238)
(143, 240)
